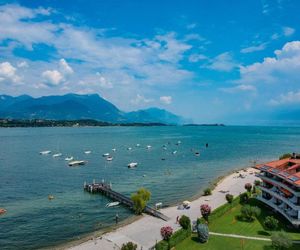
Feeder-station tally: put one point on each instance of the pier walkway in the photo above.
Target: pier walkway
(106, 190)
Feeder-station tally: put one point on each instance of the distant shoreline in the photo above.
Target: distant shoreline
(27, 123)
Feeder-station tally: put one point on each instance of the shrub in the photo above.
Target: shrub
(244, 198)
(205, 211)
(229, 198)
(271, 223)
(179, 236)
(162, 245)
(203, 233)
(140, 199)
(257, 182)
(249, 212)
(207, 191)
(166, 232)
(281, 241)
(185, 222)
(129, 246)
(248, 187)
(285, 156)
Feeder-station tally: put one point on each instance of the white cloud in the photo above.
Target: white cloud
(191, 26)
(8, 73)
(65, 68)
(140, 99)
(283, 68)
(103, 81)
(288, 31)
(254, 48)
(166, 99)
(197, 57)
(222, 62)
(22, 64)
(289, 98)
(239, 88)
(52, 77)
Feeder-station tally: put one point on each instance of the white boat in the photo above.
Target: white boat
(114, 149)
(132, 165)
(46, 152)
(149, 146)
(174, 152)
(109, 158)
(197, 153)
(69, 158)
(105, 154)
(138, 145)
(76, 163)
(87, 152)
(129, 148)
(112, 204)
(57, 155)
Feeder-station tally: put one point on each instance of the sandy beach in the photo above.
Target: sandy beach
(145, 232)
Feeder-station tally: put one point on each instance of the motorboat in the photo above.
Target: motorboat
(105, 154)
(132, 165)
(57, 155)
(197, 153)
(87, 152)
(149, 146)
(69, 158)
(46, 152)
(138, 145)
(2, 211)
(112, 204)
(109, 158)
(114, 150)
(76, 163)
(174, 152)
(129, 148)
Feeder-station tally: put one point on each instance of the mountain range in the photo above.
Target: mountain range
(74, 107)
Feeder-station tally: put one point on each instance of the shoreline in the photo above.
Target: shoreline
(99, 235)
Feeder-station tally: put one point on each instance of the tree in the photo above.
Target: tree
(207, 191)
(248, 187)
(205, 210)
(244, 198)
(285, 156)
(140, 199)
(229, 198)
(257, 182)
(203, 232)
(271, 223)
(281, 241)
(185, 222)
(166, 232)
(249, 212)
(129, 246)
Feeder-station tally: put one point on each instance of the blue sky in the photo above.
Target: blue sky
(236, 62)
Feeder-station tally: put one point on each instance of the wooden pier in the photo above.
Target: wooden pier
(105, 189)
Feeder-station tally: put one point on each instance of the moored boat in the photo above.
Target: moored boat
(132, 165)
(69, 158)
(57, 155)
(112, 204)
(46, 152)
(105, 154)
(76, 163)
(109, 158)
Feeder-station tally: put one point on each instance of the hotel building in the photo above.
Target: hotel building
(281, 187)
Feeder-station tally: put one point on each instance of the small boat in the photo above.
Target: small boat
(105, 154)
(178, 143)
(129, 148)
(132, 165)
(50, 197)
(46, 152)
(174, 152)
(114, 150)
(2, 211)
(109, 158)
(163, 159)
(69, 158)
(197, 153)
(57, 155)
(112, 204)
(137, 145)
(76, 163)
(149, 146)
(87, 152)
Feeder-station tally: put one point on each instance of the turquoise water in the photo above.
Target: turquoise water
(27, 178)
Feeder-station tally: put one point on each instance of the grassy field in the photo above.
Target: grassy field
(229, 223)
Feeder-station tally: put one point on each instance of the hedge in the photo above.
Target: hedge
(176, 238)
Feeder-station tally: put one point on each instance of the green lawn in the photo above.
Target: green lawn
(228, 223)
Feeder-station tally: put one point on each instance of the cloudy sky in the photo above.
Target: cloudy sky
(212, 61)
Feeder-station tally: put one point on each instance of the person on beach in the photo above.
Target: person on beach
(117, 218)
(177, 219)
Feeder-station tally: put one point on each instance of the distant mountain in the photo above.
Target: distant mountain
(154, 115)
(75, 107)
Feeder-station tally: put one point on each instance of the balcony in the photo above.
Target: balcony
(277, 195)
(278, 183)
(286, 213)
